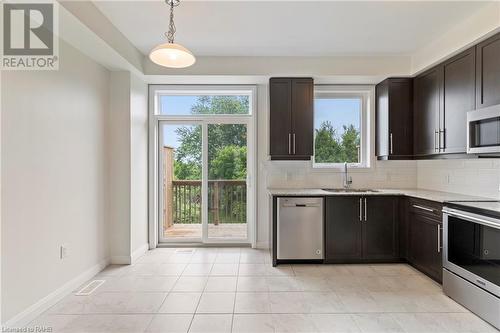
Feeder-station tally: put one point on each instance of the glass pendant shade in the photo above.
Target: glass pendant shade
(172, 55)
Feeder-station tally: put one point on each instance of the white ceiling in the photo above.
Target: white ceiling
(289, 28)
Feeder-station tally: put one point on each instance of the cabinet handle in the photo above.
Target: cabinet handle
(424, 208)
(366, 211)
(436, 139)
(390, 139)
(360, 209)
(289, 143)
(441, 140)
(439, 238)
(294, 143)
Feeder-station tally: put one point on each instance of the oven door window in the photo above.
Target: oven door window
(485, 133)
(475, 248)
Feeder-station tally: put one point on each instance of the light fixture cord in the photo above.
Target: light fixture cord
(171, 27)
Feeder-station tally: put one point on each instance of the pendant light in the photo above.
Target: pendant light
(171, 54)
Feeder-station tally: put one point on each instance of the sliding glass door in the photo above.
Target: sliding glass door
(205, 155)
(227, 181)
(181, 182)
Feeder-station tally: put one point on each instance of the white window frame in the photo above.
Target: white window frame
(156, 120)
(365, 93)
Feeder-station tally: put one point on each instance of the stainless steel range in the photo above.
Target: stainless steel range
(471, 258)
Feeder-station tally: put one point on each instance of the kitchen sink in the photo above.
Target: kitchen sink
(349, 190)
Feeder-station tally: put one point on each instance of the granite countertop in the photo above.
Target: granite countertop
(415, 193)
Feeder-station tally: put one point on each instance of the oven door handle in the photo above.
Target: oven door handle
(474, 218)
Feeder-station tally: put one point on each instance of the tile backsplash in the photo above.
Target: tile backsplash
(383, 174)
(479, 177)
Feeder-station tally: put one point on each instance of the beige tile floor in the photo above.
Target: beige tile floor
(237, 290)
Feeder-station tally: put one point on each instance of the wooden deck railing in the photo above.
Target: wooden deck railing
(226, 202)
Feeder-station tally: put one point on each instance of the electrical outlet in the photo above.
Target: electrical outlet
(447, 179)
(63, 251)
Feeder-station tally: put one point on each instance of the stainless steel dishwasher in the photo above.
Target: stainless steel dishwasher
(300, 228)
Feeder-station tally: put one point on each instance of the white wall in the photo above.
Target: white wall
(128, 126)
(138, 165)
(479, 177)
(53, 177)
(119, 167)
(480, 25)
(376, 66)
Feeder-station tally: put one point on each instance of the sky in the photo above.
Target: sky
(338, 111)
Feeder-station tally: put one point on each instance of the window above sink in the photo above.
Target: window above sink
(341, 126)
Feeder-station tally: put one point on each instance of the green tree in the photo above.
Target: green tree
(326, 146)
(187, 171)
(229, 163)
(350, 144)
(220, 136)
(330, 148)
(221, 105)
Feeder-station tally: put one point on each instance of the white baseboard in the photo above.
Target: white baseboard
(25, 317)
(139, 252)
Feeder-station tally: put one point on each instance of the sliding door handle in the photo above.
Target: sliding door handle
(294, 143)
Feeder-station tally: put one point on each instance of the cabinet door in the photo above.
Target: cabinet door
(459, 93)
(280, 105)
(400, 116)
(382, 144)
(404, 217)
(426, 111)
(424, 247)
(302, 117)
(380, 230)
(343, 228)
(488, 72)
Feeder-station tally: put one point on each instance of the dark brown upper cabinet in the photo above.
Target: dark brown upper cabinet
(459, 94)
(394, 119)
(442, 97)
(488, 72)
(291, 118)
(427, 106)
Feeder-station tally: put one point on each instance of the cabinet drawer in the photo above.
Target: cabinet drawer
(427, 208)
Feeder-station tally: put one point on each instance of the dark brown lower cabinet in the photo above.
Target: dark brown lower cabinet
(343, 228)
(424, 244)
(361, 228)
(380, 228)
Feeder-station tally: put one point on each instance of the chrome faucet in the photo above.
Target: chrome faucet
(347, 178)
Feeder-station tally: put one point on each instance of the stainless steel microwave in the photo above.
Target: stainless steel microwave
(483, 130)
